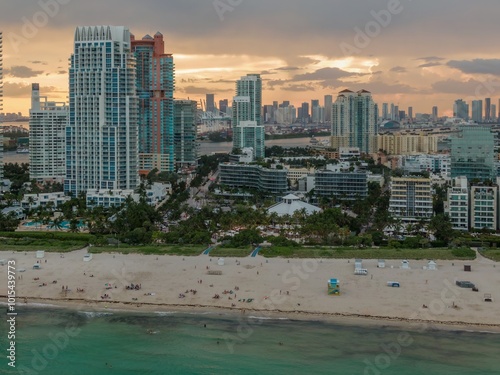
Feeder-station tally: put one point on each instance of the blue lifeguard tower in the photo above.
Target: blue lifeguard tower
(334, 287)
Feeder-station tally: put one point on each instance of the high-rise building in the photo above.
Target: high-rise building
(461, 109)
(248, 130)
(484, 207)
(354, 121)
(477, 111)
(102, 133)
(185, 132)
(1, 110)
(48, 121)
(155, 88)
(328, 108)
(393, 115)
(223, 104)
(473, 153)
(493, 112)
(487, 110)
(411, 198)
(210, 102)
(305, 113)
(318, 115)
(457, 204)
(410, 113)
(385, 111)
(435, 113)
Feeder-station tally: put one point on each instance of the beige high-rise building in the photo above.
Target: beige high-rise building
(407, 144)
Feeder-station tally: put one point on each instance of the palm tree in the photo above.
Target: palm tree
(73, 225)
(57, 223)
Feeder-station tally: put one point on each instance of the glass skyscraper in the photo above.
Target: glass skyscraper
(155, 88)
(248, 130)
(101, 137)
(185, 132)
(473, 153)
(354, 121)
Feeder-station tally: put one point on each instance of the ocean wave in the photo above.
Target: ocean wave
(94, 314)
(43, 305)
(164, 313)
(266, 318)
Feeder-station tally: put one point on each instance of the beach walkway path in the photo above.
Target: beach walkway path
(207, 251)
(256, 251)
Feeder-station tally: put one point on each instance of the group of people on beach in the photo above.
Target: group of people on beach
(133, 287)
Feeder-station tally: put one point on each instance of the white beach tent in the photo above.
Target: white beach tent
(87, 257)
(432, 266)
(381, 263)
(40, 254)
(405, 265)
(220, 262)
(358, 264)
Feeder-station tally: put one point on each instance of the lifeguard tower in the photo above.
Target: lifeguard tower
(334, 287)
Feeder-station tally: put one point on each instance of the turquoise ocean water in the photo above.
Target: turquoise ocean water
(62, 342)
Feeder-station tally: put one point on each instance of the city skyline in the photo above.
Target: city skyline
(319, 48)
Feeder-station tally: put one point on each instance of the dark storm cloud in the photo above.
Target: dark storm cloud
(288, 68)
(298, 88)
(324, 74)
(477, 66)
(452, 86)
(429, 65)
(399, 69)
(430, 59)
(19, 71)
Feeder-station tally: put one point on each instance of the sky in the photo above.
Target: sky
(417, 53)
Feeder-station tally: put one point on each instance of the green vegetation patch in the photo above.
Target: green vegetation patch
(222, 252)
(382, 253)
(32, 244)
(150, 250)
(493, 254)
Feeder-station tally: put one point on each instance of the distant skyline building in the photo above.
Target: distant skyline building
(328, 108)
(248, 129)
(354, 121)
(223, 105)
(494, 112)
(385, 111)
(473, 153)
(185, 133)
(304, 117)
(48, 121)
(487, 110)
(395, 114)
(210, 103)
(435, 113)
(102, 133)
(477, 111)
(155, 88)
(461, 109)
(410, 113)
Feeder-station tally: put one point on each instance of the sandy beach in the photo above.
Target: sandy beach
(278, 287)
